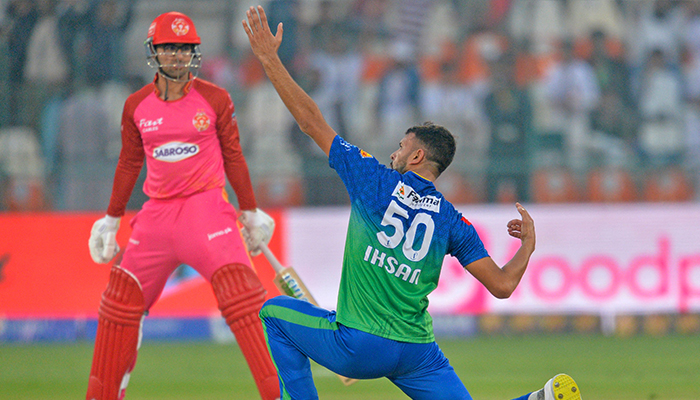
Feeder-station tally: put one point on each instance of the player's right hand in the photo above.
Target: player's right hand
(103, 239)
(258, 227)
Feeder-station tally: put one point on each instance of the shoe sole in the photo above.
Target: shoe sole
(565, 388)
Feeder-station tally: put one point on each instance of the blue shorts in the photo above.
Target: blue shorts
(297, 331)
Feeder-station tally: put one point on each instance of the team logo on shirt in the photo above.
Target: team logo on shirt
(406, 195)
(201, 121)
(180, 27)
(365, 154)
(175, 151)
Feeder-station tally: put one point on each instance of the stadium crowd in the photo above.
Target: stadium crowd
(551, 100)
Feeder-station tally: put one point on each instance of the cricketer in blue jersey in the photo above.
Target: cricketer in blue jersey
(399, 232)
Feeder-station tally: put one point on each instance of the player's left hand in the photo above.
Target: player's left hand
(258, 227)
(523, 229)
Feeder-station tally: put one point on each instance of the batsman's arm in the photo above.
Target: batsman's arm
(304, 110)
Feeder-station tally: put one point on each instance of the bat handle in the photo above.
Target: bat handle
(271, 257)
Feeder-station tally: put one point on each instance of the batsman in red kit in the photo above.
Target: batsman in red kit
(186, 130)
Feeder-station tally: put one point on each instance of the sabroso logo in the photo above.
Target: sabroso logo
(175, 151)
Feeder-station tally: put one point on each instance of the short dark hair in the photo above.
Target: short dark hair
(439, 144)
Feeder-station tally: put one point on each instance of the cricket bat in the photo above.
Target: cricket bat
(289, 283)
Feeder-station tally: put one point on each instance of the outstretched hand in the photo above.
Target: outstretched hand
(523, 229)
(263, 43)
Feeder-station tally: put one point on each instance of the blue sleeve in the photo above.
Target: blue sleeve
(363, 176)
(465, 243)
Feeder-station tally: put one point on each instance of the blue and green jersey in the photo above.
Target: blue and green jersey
(399, 232)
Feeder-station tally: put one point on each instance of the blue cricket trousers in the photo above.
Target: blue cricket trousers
(297, 331)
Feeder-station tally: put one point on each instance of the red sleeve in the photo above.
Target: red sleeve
(235, 165)
(131, 157)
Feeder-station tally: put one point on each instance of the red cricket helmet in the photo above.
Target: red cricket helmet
(173, 27)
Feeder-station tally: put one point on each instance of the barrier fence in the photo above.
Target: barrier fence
(620, 268)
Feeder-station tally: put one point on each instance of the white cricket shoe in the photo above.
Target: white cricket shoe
(561, 387)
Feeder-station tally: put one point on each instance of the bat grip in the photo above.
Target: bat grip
(271, 257)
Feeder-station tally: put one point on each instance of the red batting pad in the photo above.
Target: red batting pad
(240, 295)
(116, 344)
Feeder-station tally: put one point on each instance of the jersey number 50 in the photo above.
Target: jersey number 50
(394, 216)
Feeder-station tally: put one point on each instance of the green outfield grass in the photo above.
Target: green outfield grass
(606, 368)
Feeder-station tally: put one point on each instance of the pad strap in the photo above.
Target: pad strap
(240, 295)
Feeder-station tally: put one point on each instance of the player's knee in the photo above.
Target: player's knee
(272, 306)
(268, 306)
(122, 302)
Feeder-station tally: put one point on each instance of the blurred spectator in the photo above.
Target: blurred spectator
(71, 28)
(87, 150)
(369, 18)
(691, 31)
(410, 18)
(288, 13)
(509, 112)
(658, 26)
(21, 16)
(691, 117)
(46, 69)
(612, 73)
(338, 66)
(99, 26)
(458, 105)
(586, 17)
(398, 99)
(613, 135)
(572, 90)
(692, 131)
(614, 119)
(21, 170)
(382, 65)
(539, 22)
(661, 138)
(109, 20)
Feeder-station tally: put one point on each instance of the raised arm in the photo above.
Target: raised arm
(501, 282)
(300, 104)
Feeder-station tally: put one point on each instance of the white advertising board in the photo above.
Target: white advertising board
(590, 258)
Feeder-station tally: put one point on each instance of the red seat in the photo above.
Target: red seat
(669, 185)
(25, 195)
(553, 185)
(606, 185)
(279, 191)
(459, 189)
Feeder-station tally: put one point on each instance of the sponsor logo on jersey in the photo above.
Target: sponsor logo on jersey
(345, 144)
(406, 195)
(180, 27)
(220, 233)
(150, 125)
(365, 154)
(175, 151)
(201, 121)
